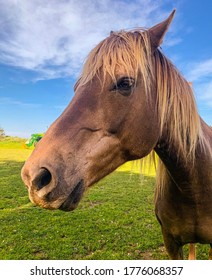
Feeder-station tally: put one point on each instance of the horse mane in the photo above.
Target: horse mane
(176, 106)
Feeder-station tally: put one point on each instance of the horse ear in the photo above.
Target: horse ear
(158, 31)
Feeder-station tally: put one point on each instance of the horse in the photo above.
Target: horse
(130, 101)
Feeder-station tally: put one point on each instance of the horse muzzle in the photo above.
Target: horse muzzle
(51, 193)
(73, 198)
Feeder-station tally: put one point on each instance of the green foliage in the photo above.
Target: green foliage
(115, 220)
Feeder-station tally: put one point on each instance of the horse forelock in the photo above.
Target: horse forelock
(130, 51)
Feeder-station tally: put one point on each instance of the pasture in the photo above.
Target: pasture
(115, 219)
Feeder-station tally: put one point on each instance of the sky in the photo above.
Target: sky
(43, 45)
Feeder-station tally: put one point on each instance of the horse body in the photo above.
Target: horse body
(184, 209)
(130, 100)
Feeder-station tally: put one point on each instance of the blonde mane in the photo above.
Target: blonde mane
(177, 111)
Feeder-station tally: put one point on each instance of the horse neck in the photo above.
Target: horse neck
(182, 169)
(171, 165)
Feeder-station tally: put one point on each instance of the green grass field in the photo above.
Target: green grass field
(115, 219)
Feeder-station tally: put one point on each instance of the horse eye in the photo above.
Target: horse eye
(124, 85)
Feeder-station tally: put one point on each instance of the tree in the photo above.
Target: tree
(2, 133)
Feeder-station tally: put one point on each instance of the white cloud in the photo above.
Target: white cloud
(200, 73)
(53, 37)
(200, 70)
(10, 101)
(204, 94)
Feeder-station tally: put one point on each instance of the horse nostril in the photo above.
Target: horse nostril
(42, 179)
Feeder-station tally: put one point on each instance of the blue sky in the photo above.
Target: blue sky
(43, 45)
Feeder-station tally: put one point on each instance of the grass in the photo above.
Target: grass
(115, 219)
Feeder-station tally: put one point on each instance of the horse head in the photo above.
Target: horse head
(110, 120)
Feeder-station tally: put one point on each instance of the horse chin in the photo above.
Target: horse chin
(73, 198)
